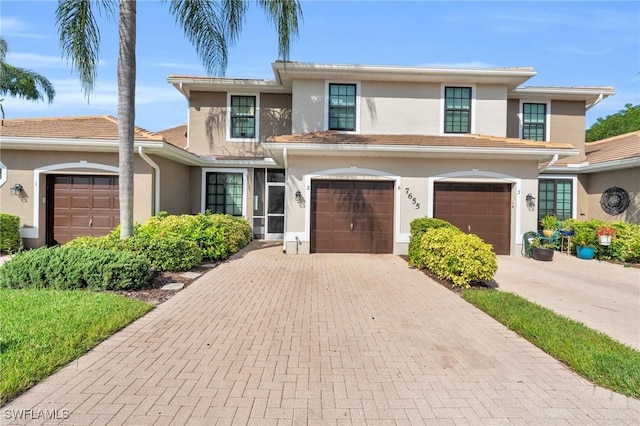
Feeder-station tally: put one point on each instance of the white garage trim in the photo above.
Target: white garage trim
(37, 196)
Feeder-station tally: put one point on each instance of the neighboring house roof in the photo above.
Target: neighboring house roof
(612, 149)
(469, 146)
(176, 136)
(104, 127)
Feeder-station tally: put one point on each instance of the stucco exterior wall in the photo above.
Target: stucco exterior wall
(627, 179)
(400, 108)
(308, 105)
(418, 175)
(513, 120)
(31, 208)
(174, 179)
(491, 110)
(568, 125)
(208, 124)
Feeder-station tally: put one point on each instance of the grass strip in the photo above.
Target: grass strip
(42, 330)
(592, 354)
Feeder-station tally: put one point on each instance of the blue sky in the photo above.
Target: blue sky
(569, 43)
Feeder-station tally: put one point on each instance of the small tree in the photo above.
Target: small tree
(623, 121)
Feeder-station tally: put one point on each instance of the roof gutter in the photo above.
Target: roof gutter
(549, 164)
(596, 102)
(156, 189)
(598, 167)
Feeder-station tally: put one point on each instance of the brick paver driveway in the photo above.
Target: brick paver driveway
(323, 339)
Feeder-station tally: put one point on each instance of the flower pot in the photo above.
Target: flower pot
(547, 232)
(587, 253)
(605, 240)
(566, 233)
(544, 254)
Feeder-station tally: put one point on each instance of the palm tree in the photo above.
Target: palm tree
(210, 25)
(20, 82)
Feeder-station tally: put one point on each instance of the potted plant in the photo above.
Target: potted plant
(542, 251)
(566, 227)
(605, 233)
(585, 239)
(549, 225)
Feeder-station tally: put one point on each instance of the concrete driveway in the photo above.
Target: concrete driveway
(270, 338)
(602, 295)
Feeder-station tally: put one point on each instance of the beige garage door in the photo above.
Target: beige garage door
(81, 205)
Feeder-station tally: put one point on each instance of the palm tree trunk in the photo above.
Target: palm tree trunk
(126, 111)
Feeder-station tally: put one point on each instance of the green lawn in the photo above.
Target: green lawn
(592, 354)
(42, 330)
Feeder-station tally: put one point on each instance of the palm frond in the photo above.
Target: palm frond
(80, 37)
(23, 83)
(285, 14)
(3, 49)
(201, 23)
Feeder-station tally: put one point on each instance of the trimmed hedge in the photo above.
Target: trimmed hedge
(64, 268)
(10, 240)
(450, 253)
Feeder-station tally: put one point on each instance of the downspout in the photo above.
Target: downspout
(156, 168)
(596, 102)
(188, 118)
(549, 164)
(286, 179)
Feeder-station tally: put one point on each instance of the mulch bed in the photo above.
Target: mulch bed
(448, 284)
(153, 293)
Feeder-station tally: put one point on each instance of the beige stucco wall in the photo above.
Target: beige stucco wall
(308, 106)
(21, 165)
(597, 183)
(513, 120)
(568, 125)
(491, 110)
(208, 124)
(414, 174)
(174, 181)
(399, 108)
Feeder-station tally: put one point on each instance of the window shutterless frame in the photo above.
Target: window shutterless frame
(457, 109)
(534, 121)
(342, 106)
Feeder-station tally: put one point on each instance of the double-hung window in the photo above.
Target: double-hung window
(342, 107)
(224, 193)
(534, 121)
(243, 117)
(555, 197)
(457, 113)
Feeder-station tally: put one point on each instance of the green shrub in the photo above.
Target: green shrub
(170, 253)
(65, 268)
(10, 240)
(625, 245)
(457, 257)
(418, 228)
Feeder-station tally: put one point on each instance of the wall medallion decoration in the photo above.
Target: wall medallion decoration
(614, 200)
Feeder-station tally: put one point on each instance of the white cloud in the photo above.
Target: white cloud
(174, 66)
(32, 60)
(18, 28)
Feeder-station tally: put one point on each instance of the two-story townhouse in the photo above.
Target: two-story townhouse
(360, 151)
(326, 158)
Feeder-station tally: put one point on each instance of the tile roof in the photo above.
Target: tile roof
(613, 149)
(333, 137)
(86, 127)
(176, 136)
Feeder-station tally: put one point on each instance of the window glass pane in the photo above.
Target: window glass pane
(342, 106)
(258, 192)
(457, 110)
(224, 193)
(243, 118)
(276, 200)
(276, 224)
(275, 175)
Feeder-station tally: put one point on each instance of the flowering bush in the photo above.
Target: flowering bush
(605, 230)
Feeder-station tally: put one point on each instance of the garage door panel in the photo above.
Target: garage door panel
(352, 216)
(482, 207)
(81, 205)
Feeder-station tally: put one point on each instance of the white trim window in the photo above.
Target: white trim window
(535, 120)
(224, 191)
(557, 196)
(243, 117)
(458, 109)
(342, 111)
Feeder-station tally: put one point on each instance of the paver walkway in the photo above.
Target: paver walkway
(323, 339)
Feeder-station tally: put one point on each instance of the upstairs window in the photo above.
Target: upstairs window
(342, 107)
(243, 117)
(457, 114)
(534, 121)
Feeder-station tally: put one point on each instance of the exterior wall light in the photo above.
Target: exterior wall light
(16, 190)
(298, 196)
(531, 200)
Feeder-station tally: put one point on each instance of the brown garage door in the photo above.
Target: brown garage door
(351, 216)
(81, 205)
(483, 209)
